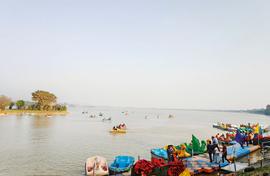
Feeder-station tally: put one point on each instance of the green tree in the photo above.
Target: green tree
(20, 104)
(44, 99)
(11, 104)
(267, 110)
(64, 108)
(4, 101)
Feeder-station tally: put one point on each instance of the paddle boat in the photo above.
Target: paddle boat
(196, 146)
(180, 151)
(119, 129)
(96, 166)
(92, 116)
(159, 153)
(106, 119)
(171, 116)
(115, 131)
(225, 127)
(121, 164)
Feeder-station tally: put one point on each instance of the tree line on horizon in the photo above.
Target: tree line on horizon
(42, 101)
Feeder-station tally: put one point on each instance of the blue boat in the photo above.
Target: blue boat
(121, 164)
(237, 151)
(159, 153)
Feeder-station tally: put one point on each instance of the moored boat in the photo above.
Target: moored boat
(225, 127)
(96, 166)
(159, 153)
(121, 164)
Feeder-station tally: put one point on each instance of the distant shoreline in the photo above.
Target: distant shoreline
(32, 112)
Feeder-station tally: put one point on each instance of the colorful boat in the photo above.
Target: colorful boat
(197, 147)
(180, 151)
(96, 166)
(237, 151)
(225, 127)
(121, 164)
(159, 153)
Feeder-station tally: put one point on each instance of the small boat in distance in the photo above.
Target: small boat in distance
(121, 128)
(115, 131)
(96, 166)
(92, 116)
(171, 116)
(108, 119)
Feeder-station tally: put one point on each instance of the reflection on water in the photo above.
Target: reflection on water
(60, 145)
(41, 122)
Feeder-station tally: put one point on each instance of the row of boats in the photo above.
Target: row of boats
(243, 127)
(98, 166)
(253, 132)
(124, 164)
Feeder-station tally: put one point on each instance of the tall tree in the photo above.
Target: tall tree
(20, 104)
(44, 98)
(4, 101)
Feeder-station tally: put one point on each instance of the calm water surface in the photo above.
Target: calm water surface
(60, 145)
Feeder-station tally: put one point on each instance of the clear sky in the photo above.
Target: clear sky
(144, 53)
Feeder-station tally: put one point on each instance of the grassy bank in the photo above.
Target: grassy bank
(32, 112)
(257, 172)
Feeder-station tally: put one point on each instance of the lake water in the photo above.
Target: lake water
(60, 145)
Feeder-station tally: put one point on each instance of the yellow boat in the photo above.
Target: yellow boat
(180, 153)
(118, 131)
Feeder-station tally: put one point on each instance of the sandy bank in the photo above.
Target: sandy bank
(32, 112)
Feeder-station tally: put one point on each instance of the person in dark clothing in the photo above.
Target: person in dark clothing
(170, 152)
(250, 137)
(210, 150)
(246, 138)
(224, 153)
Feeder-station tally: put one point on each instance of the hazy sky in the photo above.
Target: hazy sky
(143, 53)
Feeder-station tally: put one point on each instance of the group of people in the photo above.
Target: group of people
(247, 138)
(121, 126)
(227, 138)
(214, 151)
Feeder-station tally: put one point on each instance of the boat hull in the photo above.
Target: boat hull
(96, 166)
(118, 131)
(121, 164)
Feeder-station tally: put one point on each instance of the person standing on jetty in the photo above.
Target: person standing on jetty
(210, 150)
(216, 156)
(224, 153)
(215, 143)
(215, 148)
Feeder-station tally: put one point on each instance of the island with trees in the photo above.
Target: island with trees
(43, 103)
